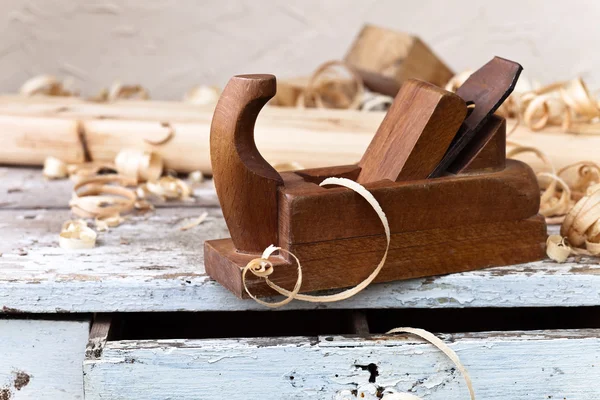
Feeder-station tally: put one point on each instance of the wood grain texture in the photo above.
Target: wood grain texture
(386, 58)
(42, 359)
(162, 269)
(314, 138)
(315, 213)
(541, 364)
(486, 88)
(414, 135)
(346, 262)
(245, 182)
(282, 134)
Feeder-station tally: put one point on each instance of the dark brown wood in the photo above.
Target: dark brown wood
(484, 216)
(414, 135)
(310, 213)
(346, 262)
(487, 88)
(246, 184)
(492, 155)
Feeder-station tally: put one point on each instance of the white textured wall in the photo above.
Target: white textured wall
(170, 45)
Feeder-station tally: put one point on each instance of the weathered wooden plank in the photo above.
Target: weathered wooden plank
(26, 188)
(148, 264)
(42, 359)
(503, 365)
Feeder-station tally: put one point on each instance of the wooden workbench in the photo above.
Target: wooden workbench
(51, 298)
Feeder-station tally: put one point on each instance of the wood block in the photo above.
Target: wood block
(310, 213)
(346, 262)
(414, 135)
(386, 58)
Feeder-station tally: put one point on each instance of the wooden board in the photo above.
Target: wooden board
(42, 359)
(282, 134)
(161, 269)
(503, 365)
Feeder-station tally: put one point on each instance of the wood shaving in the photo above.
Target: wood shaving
(99, 197)
(119, 91)
(557, 249)
(167, 188)
(567, 104)
(202, 95)
(168, 135)
(55, 168)
(325, 88)
(195, 222)
(140, 165)
(196, 177)
(437, 342)
(77, 172)
(262, 267)
(76, 235)
(46, 85)
(111, 221)
(575, 206)
(376, 102)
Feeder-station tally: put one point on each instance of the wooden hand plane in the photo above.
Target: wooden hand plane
(436, 165)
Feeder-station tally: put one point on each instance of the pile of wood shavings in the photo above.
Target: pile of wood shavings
(568, 104)
(106, 197)
(570, 197)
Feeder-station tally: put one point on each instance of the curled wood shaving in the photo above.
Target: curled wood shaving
(119, 91)
(196, 177)
(47, 85)
(375, 101)
(54, 168)
(168, 188)
(168, 135)
(437, 342)
(567, 104)
(325, 88)
(580, 220)
(109, 221)
(457, 80)
(97, 197)
(195, 222)
(262, 267)
(557, 249)
(202, 95)
(140, 165)
(77, 172)
(76, 235)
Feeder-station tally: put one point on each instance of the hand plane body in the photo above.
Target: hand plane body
(453, 201)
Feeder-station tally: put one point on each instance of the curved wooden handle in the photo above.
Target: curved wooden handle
(246, 183)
